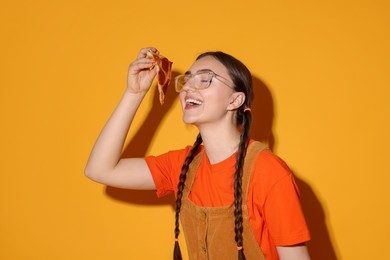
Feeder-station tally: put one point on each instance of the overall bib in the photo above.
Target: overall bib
(209, 231)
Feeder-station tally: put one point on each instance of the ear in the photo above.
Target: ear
(236, 100)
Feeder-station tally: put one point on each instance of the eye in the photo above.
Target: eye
(204, 77)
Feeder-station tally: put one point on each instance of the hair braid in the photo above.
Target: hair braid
(244, 140)
(242, 80)
(180, 187)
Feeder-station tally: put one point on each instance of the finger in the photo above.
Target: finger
(142, 63)
(145, 69)
(152, 49)
(143, 52)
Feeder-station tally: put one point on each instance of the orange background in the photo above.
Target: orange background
(322, 87)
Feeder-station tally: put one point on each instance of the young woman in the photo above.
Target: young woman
(234, 197)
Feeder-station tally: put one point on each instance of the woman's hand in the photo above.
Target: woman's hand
(140, 74)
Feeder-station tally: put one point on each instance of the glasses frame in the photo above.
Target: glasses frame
(222, 79)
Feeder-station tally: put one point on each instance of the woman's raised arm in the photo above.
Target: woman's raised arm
(104, 164)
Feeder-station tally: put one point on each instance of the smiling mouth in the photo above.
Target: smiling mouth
(193, 103)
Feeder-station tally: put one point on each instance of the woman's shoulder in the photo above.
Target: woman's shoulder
(270, 166)
(270, 175)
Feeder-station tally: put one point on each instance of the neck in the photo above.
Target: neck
(220, 142)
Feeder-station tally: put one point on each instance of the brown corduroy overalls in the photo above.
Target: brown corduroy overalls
(209, 231)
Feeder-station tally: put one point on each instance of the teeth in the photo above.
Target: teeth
(193, 101)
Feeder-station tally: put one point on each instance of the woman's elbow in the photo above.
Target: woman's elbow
(91, 173)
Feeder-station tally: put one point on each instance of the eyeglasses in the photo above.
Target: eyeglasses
(200, 80)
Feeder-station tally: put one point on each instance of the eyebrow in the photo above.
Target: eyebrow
(202, 70)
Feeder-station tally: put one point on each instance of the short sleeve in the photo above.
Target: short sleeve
(283, 213)
(165, 170)
(276, 198)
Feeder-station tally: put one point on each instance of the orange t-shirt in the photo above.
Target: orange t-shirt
(274, 209)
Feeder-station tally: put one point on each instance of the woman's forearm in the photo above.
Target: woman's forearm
(108, 147)
(296, 252)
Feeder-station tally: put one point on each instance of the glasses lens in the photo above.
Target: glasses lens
(180, 81)
(198, 81)
(203, 80)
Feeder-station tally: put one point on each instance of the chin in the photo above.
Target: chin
(191, 116)
(189, 120)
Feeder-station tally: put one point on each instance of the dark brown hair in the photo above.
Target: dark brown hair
(242, 80)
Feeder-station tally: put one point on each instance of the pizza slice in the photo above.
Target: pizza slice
(164, 72)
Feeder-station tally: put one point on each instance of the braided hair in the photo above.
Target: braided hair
(242, 80)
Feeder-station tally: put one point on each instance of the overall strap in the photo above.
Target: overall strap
(193, 168)
(252, 152)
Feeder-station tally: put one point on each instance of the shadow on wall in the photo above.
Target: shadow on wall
(320, 247)
(262, 114)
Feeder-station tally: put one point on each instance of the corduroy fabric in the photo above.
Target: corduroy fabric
(209, 231)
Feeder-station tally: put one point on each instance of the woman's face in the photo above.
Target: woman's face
(210, 105)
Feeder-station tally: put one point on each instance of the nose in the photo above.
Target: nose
(189, 85)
